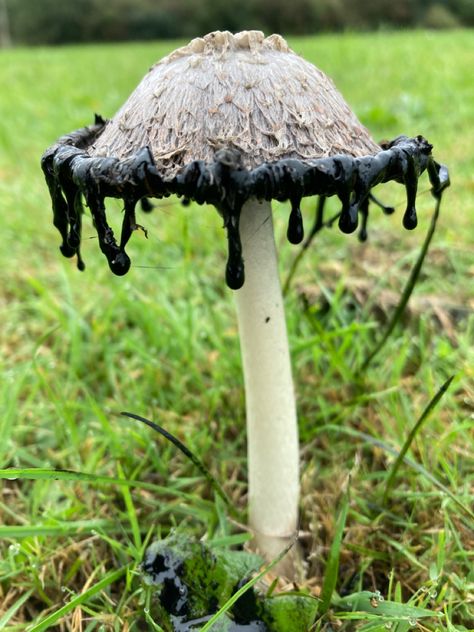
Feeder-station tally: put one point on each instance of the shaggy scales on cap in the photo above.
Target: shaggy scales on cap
(237, 121)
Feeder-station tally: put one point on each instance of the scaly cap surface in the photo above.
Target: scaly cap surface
(241, 91)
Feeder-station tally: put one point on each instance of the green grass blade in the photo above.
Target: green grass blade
(415, 466)
(372, 603)
(228, 541)
(58, 529)
(411, 436)
(54, 617)
(131, 513)
(407, 291)
(5, 618)
(332, 567)
(39, 473)
(187, 452)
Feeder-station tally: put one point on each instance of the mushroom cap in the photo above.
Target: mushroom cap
(225, 119)
(241, 91)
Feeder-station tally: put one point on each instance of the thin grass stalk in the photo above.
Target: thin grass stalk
(411, 436)
(417, 467)
(318, 224)
(407, 292)
(187, 452)
(41, 473)
(332, 567)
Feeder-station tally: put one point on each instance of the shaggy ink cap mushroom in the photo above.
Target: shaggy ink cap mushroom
(237, 121)
(225, 119)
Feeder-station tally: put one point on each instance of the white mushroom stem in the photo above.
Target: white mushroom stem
(272, 431)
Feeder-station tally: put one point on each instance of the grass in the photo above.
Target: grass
(77, 348)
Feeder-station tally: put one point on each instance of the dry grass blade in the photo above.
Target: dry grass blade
(53, 618)
(10, 613)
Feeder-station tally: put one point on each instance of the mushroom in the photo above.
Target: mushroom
(237, 120)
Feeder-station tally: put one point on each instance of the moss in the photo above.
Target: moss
(194, 580)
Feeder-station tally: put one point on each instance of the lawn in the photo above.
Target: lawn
(78, 348)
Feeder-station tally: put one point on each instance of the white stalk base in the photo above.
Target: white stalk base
(272, 431)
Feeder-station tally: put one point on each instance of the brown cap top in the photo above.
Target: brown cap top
(243, 91)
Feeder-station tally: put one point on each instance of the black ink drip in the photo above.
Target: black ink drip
(295, 232)
(72, 175)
